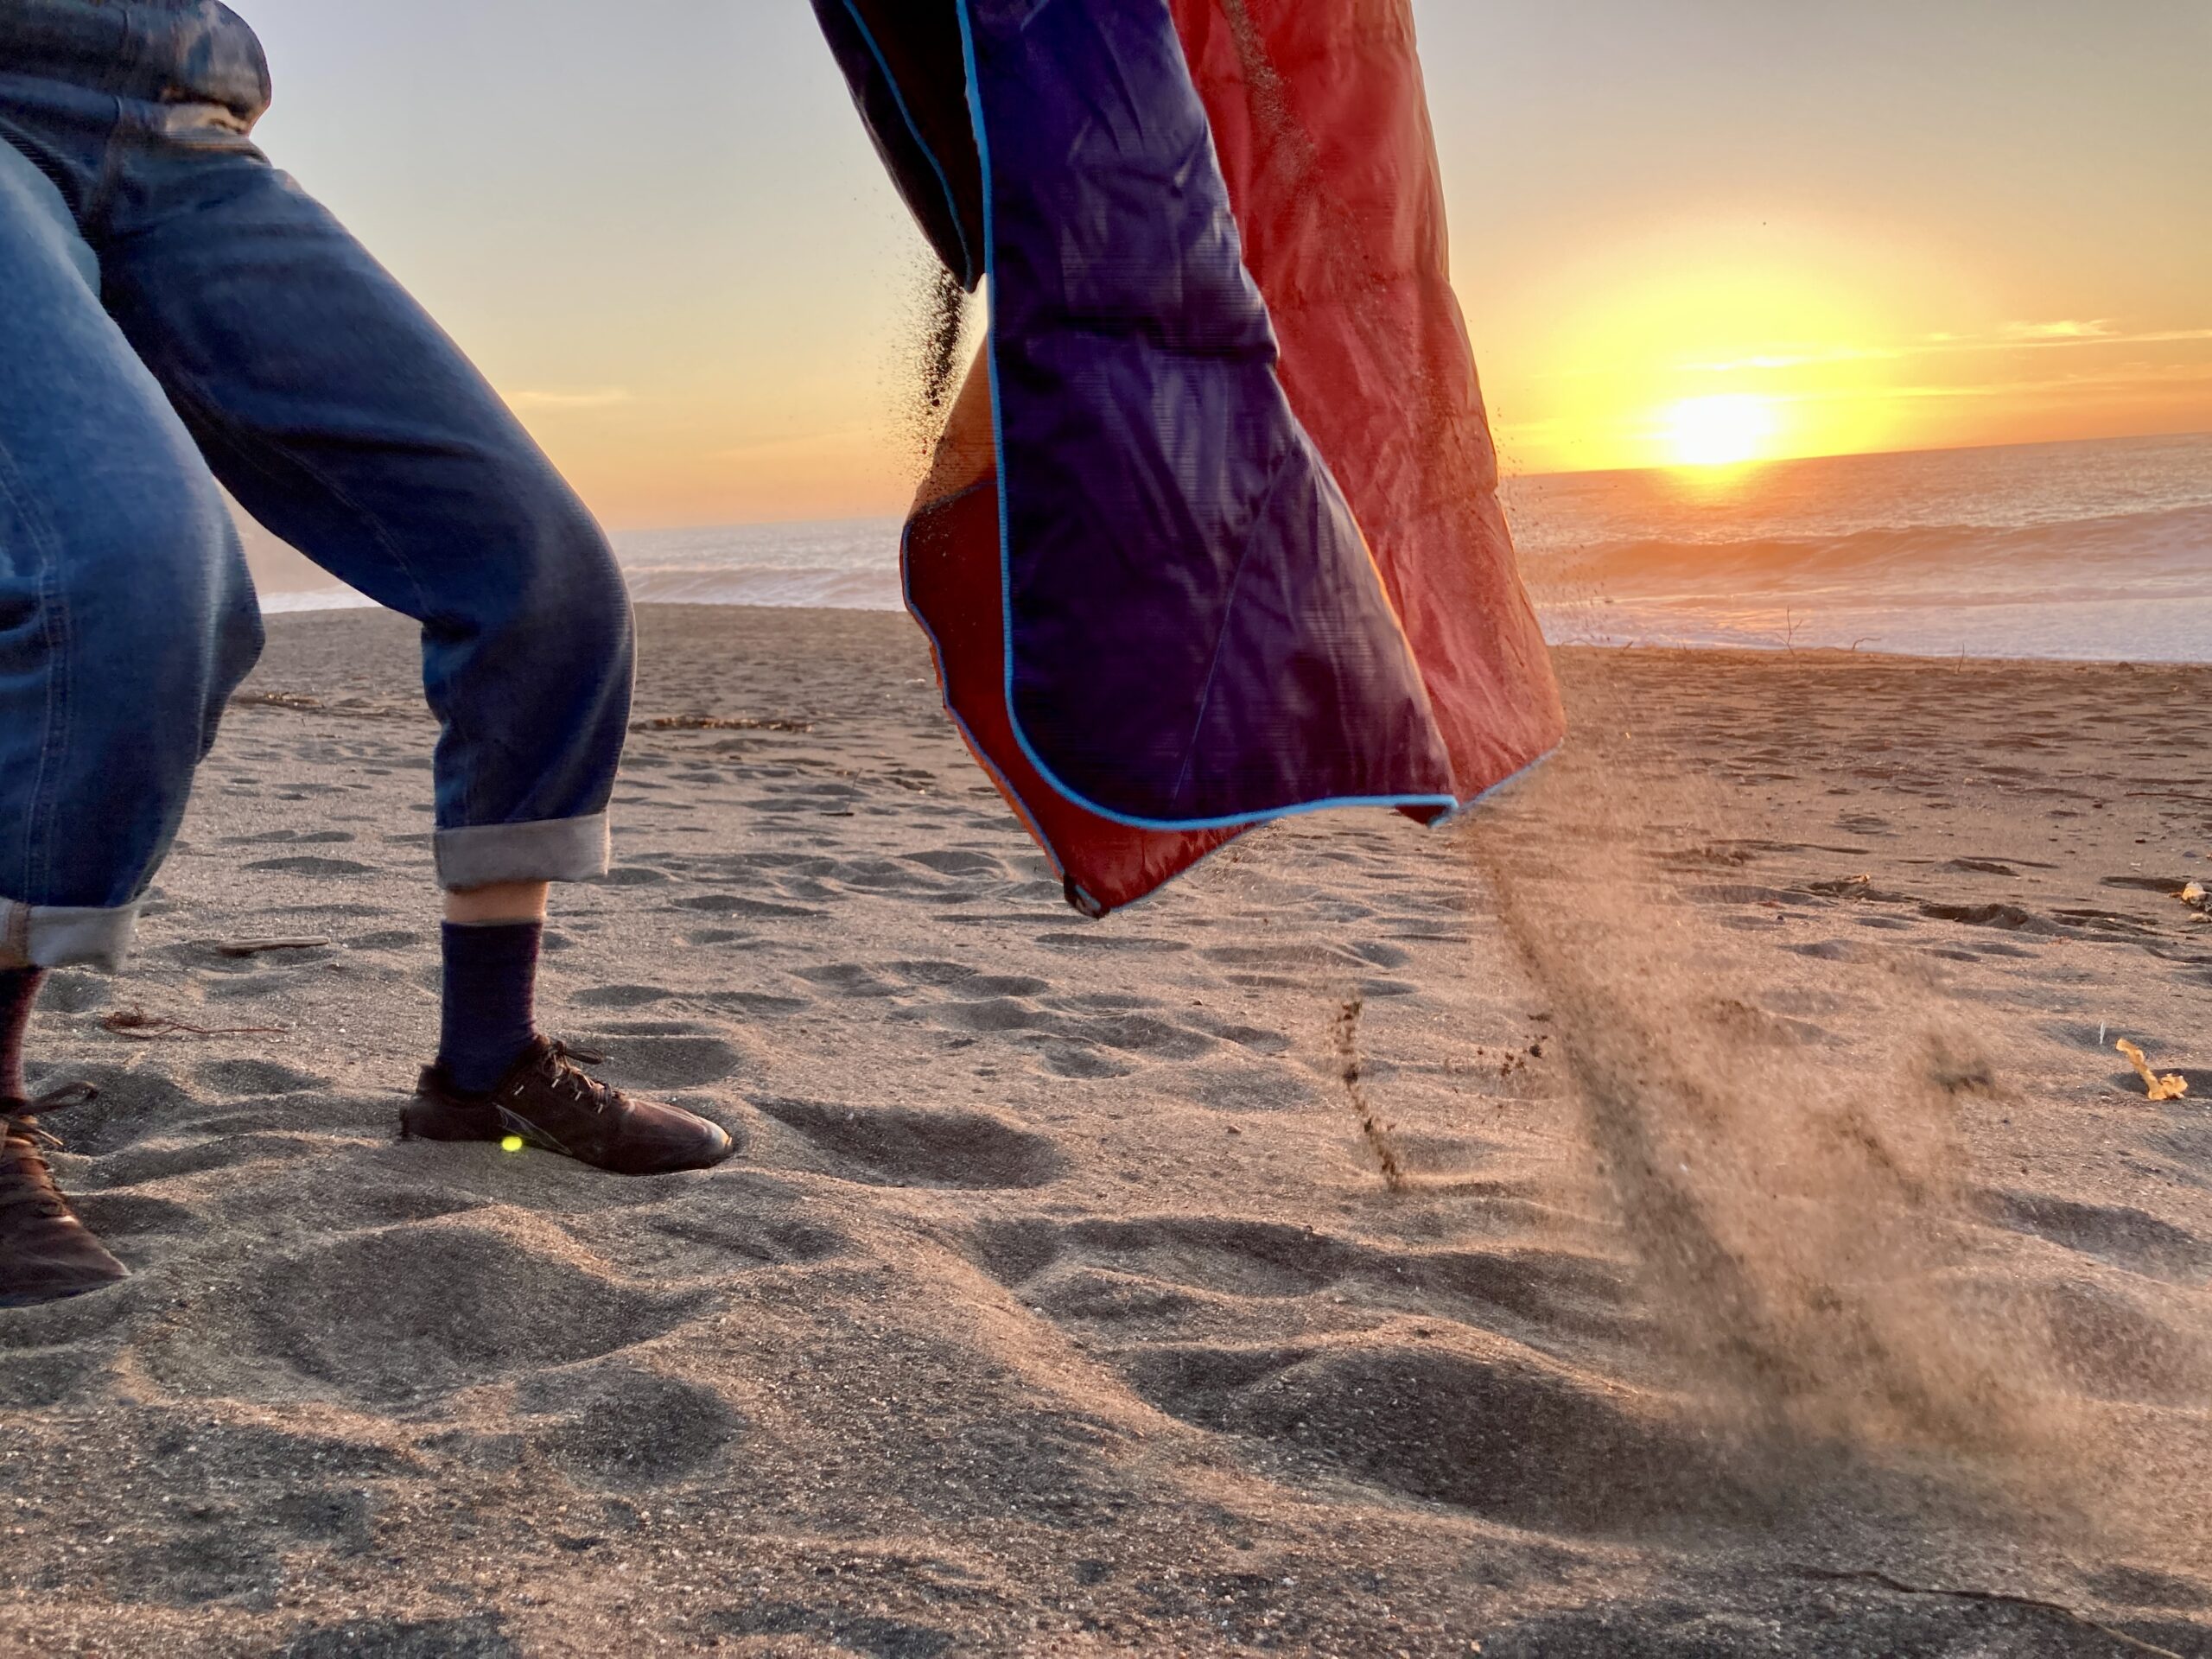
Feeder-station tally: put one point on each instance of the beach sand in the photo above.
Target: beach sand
(1055, 1303)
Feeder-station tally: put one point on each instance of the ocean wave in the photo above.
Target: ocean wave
(773, 587)
(2130, 630)
(819, 588)
(2168, 552)
(333, 598)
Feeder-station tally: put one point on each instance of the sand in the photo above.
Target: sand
(1056, 1303)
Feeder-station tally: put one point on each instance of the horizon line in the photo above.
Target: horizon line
(1505, 476)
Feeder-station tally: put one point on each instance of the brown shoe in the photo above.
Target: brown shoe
(548, 1100)
(45, 1253)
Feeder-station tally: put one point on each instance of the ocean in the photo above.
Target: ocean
(2097, 550)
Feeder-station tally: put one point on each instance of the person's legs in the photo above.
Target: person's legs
(348, 425)
(126, 614)
(345, 421)
(367, 441)
(126, 619)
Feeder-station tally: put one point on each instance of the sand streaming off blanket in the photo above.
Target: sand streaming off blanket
(1806, 1222)
(1799, 1221)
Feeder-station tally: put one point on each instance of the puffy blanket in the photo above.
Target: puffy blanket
(1213, 534)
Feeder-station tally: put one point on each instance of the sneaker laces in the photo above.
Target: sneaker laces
(565, 1067)
(25, 1181)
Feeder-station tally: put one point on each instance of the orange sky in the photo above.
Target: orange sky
(1680, 231)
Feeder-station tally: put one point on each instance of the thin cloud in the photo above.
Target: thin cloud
(2181, 375)
(563, 402)
(2066, 330)
(2019, 336)
(1803, 358)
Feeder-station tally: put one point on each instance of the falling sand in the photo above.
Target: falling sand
(1805, 1224)
(929, 364)
(1792, 1217)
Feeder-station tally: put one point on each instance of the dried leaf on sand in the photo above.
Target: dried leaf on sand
(2166, 1088)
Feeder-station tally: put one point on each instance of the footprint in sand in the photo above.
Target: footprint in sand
(907, 1147)
(256, 1078)
(1482, 1425)
(239, 1499)
(127, 1106)
(2127, 1238)
(1141, 1034)
(1133, 943)
(959, 862)
(757, 1005)
(412, 1312)
(2144, 1586)
(193, 1445)
(2188, 1144)
(310, 866)
(145, 1164)
(1081, 1062)
(207, 956)
(884, 875)
(290, 838)
(2109, 1344)
(2164, 884)
(665, 1054)
(631, 875)
(622, 1425)
(1472, 1403)
(1073, 1035)
(621, 996)
(849, 979)
(330, 1196)
(69, 991)
(730, 904)
(56, 1372)
(713, 1239)
(137, 1225)
(1230, 1087)
(1537, 1291)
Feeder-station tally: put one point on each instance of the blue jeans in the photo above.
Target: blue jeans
(174, 312)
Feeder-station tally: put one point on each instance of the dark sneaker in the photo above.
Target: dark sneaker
(548, 1100)
(45, 1253)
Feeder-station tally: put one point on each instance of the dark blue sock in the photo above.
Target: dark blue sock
(18, 990)
(490, 994)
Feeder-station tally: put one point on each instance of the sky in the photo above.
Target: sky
(1684, 230)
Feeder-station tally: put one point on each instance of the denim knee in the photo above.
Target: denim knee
(586, 587)
(570, 607)
(160, 612)
(534, 687)
(129, 621)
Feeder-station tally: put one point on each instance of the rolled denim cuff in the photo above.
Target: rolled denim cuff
(550, 849)
(60, 936)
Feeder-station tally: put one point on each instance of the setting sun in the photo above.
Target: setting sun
(1720, 431)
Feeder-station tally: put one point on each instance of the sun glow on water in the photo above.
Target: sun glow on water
(1726, 430)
